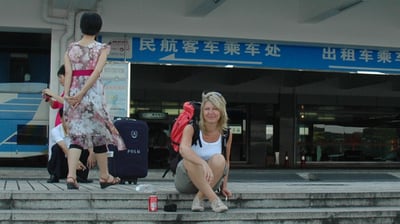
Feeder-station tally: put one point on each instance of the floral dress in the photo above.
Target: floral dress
(89, 123)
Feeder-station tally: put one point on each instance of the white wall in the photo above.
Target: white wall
(370, 23)
(22, 15)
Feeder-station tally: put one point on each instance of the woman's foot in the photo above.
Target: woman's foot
(106, 182)
(72, 184)
(197, 205)
(218, 206)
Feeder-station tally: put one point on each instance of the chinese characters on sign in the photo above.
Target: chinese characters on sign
(121, 48)
(365, 55)
(210, 47)
(174, 50)
(371, 60)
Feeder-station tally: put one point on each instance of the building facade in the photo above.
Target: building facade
(308, 82)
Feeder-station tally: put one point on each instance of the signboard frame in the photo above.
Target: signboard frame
(116, 77)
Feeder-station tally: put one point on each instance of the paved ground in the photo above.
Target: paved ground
(241, 181)
(242, 175)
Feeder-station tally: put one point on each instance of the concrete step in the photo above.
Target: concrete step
(121, 204)
(288, 199)
(134, 200)
(353, 215)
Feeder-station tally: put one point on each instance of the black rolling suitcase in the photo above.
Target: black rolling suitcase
(132, 163)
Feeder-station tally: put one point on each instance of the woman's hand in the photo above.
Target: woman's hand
(81, 166)
(91, 162)
(74, 101)
(48, 92)
(226, 192)
(208, 173)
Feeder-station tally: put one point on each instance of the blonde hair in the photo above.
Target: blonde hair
(216, 99)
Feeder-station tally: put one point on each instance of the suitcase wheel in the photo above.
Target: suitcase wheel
(130, 181)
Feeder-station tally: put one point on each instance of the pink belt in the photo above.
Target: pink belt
(82, 72)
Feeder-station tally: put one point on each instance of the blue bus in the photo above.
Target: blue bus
(24, 120)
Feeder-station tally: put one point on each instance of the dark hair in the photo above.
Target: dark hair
(60, 112)
(61, 70)
(91, 23)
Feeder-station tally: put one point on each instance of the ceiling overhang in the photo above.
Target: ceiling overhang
(315, 11)
(201, 8)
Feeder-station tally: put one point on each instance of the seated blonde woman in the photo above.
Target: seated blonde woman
(204, 169)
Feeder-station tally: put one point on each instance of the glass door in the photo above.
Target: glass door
(345, 133)
(238, 125)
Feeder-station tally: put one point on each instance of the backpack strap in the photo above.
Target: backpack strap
(196, 134)
(225, 137)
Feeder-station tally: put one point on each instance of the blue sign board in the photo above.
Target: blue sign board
(263, 54)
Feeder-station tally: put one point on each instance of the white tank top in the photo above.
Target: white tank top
(208, 149)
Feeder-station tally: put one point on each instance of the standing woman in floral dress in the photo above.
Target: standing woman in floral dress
(85, 108)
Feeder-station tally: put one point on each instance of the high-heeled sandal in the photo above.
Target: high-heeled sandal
(72, 185)
(106, 182)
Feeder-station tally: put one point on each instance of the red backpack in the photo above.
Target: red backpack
(189, 115)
